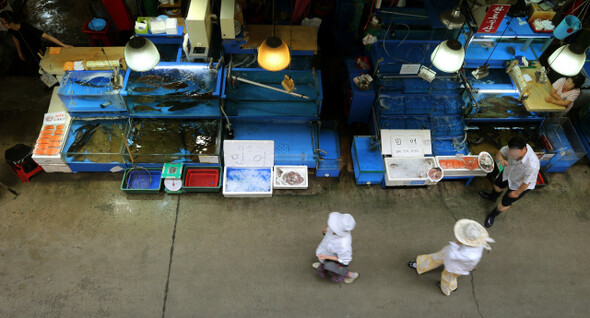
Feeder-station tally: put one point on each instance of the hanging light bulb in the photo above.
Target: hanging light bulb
(448, 56)
(568, 60)
(273, 54)
(141, 54)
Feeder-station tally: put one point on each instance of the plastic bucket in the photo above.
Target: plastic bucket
(568, 26)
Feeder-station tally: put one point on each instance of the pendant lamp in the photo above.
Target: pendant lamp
(448, 56)
(568, 60)
(273, 53)
(141, 54)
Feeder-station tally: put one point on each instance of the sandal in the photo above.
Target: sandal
(412, 265)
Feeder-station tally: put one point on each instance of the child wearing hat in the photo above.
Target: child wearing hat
(459, 258)
(335, 251)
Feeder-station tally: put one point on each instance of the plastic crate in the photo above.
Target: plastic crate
(140, 180)
(367, 163)
(197, 179)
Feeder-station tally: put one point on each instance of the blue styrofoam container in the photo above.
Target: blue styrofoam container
(368, 164)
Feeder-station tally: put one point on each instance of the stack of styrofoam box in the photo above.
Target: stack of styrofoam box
(171, 26)
(53, 162)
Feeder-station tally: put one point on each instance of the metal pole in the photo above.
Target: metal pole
(268, 87)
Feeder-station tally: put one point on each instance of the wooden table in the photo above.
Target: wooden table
(54, 64)
(297, 37)
(536, 92)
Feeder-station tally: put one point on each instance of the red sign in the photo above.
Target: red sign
(493, 18)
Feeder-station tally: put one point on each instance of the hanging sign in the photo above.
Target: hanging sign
(493, 18)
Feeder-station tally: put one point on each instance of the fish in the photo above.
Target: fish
(175, 85)
(145, 108)
(99, 81)
(182, 106)
(144, 89)
(83, 134)
(150, 78)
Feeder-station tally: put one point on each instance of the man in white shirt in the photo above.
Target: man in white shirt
(459, 258)
(521, 168)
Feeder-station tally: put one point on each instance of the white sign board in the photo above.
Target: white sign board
(406, 142)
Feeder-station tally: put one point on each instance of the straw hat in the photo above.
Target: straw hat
(472, 233)
(340, 223)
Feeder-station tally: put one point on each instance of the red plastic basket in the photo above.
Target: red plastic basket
(201, 178)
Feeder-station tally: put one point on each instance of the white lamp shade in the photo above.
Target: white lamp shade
(141, 54)
(567, 62)
(273, 54)
(448, 56)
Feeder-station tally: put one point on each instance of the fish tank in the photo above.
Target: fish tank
(95, 145)
(91, 93)
(176, 90)
(153, 142)
(247, 93)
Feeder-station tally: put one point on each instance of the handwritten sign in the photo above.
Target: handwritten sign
(493, 18)
(407, 146)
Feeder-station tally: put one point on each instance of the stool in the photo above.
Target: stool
(102, 37)
(22, 164)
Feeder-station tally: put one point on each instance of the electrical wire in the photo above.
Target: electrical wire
(370, 15)
(495, 46)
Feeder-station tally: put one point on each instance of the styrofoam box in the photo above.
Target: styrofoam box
(246, 194)
(478, 172)
(50, 168)
(247, 155)
(390, 180)
(58, 118)
(279, 171)
(157, 26)
(171, 26)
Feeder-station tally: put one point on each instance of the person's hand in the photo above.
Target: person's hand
(323, 257)
(548, 99)
(513, 194)
(503, 162)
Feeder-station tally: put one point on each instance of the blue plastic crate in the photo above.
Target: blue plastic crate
(328, 168)
(368, 164)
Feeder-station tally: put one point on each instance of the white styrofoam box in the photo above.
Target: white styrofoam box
(282, 172)
(171, 26)
(461, 172)
(237, 189)
(249, 160)
(57, 120)
(157, 26)
(398, 174)
(50, 168)
(406, 142)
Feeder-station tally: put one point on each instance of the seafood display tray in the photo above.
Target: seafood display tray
(415, 173)
(460, 172)
(290, 177)
(202, 179)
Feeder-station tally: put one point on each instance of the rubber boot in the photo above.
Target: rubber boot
(491, 217)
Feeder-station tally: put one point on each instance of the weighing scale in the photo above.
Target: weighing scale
(172, 175)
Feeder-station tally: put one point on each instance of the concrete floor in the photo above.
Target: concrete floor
(76, 246)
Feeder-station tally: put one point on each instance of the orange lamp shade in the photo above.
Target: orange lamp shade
(273, 54)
